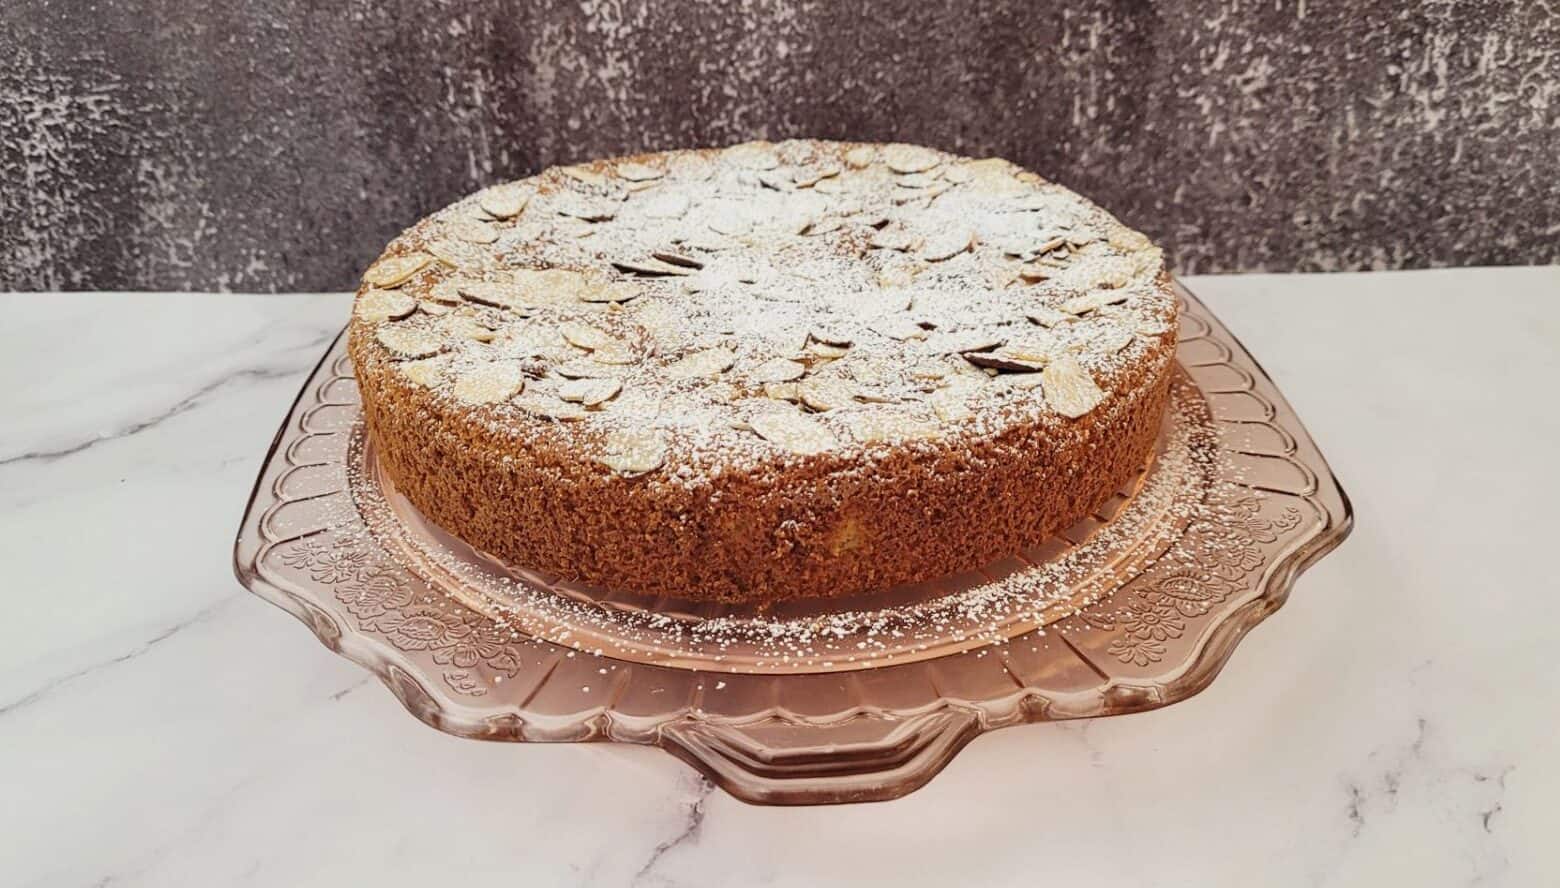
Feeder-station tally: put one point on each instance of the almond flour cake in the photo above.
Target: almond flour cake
(766, 371)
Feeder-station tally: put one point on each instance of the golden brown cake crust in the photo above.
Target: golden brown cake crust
(1031, 381)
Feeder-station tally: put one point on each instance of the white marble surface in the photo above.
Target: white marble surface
(1395, 723)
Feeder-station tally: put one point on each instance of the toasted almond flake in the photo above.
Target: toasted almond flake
(473, 232)
(446, 291)
(650, 267)
(823, 226)
(1153, 327)
(1111, 339)
(860, 157)
(909, 158)
(777, 370)
(587, 337)
(460, 326)
(831, 336)
(583, 207)
(489, 383)
(779, 180)
(585, 175)
(892, 239)
(795, 432)
(409, 342)
(504, 201)
(710, 362)
(619, 354)
(753, 155)
(682, 259)
(590, 392)
(962, 341)
(1069, 389)
(495, 293)
(550, 287)
(958, 174)
(889, 427)
(580, 369)
(810, 176)
(437, 309)
(782, 391)
(427, 372)
(1046, 316)
(1090, 301)
(672, 205)
(947, 244)
(609, 291)
(548, 406)
(825, 350)
(394, 271)
(377, 306)
(1002, 360)
(1129, 241)
(457, 254)
(951, 404)
(899, 328)
(917, 180)
(826, 394)
(929, 370)
(632, 451)
(638, 172)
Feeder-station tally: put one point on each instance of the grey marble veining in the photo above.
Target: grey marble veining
(1394, 723)
(275, 146)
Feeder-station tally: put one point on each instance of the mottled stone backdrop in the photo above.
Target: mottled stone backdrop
(277, 144)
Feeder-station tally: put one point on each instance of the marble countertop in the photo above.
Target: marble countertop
(1396, 721)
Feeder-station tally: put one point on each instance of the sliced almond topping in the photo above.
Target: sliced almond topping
(473, 232)
(1091, 301)
(638, 172)
(753, 156)
(825, 350)
(958, 174)
(779, 180)
(446, 291)
(495, 293)
(1069, 388)
(632, 451)
(826, 394)
(1046, 316)
(810, 176)
(671, 205)
(409, 342)
(587, 337)
(1111, 339)
(892, 239)
(794, 432)
(861, 156)
(583, 174)
(584, 207)
(457, 254)
(504, 201)
(929, 370)
(548, 406)
(782, 391)
(909, 158)
(951, 404)
(1128, 241)
(609, 291)
(461, 326)
(1001, 359)
(376, 306)
(887, 426)
(614, 354)
(899, 328)
(489, 383)
(425, 372)
(947, 244)
(557, 287)
(586, 370)
(777, 370)
(651, 267)
(831, 336)
(437, 309)
(590, 392)
(710, 362)
(396, 270)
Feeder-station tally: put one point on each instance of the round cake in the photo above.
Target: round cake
(766, 371)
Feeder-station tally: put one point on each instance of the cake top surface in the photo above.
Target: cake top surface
(683, 311)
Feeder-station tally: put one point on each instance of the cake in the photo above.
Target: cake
(767, 371)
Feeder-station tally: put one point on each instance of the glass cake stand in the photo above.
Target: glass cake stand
(831, 700)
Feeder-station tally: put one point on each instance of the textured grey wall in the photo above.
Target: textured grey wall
(276, 145)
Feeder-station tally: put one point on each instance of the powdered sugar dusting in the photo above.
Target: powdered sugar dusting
(920, 294)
